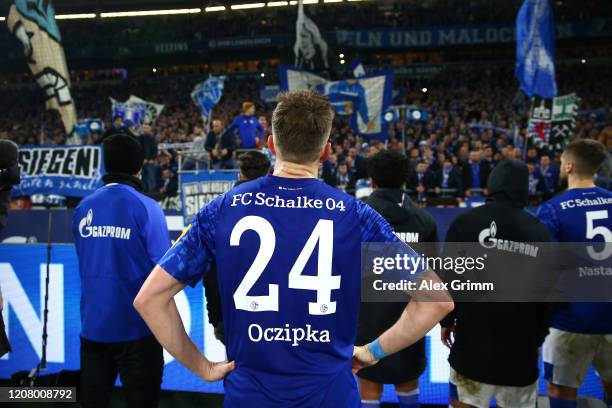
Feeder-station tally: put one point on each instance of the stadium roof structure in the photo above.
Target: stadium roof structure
(88, 6)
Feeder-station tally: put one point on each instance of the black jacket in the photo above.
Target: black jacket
(497, 343)
(375, 318)
(227, 142)
(429, 180)
(454, 179)
(466, 174)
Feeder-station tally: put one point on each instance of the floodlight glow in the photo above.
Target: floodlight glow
(248, 6)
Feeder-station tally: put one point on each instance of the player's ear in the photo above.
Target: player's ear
(326, 152)
(271, 144)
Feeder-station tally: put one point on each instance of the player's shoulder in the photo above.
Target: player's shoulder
(555, 202)
(603, 192)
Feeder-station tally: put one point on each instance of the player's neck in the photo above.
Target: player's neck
(575, 182)
(295, 170)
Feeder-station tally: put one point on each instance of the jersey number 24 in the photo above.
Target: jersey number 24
(323, 283)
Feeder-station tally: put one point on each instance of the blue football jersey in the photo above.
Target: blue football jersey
(120, 234)
(287, 253)
(581, 215)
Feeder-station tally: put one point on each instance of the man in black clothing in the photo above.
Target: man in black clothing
(150, 167)
(494, 353)
(475, 173)
(389, 171)
(252, 165)
(220, 144)
(448, 177)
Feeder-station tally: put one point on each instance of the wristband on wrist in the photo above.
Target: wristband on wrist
(376, 350)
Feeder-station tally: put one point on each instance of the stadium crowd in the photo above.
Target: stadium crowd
(449, 157)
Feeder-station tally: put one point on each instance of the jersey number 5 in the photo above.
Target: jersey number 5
(593, 231)
(323, 283)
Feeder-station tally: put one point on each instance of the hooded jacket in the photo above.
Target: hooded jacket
(497, 343)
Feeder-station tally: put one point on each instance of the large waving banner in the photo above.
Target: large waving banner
(197, 189)
(362, 100)
(33, 23)
(74, 171)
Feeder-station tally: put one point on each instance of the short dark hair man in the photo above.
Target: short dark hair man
(252, 165)
(286, 247)
(580, 333)
(119, 235)
(389, 171)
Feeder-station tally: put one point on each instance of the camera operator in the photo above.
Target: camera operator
(9, 177)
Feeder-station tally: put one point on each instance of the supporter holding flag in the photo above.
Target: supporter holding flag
(250, 131)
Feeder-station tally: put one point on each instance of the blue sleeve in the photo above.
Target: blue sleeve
(157, 238)
(233, 126)
(260, 129)
(193, 253)
(547, 215)
(373, 227)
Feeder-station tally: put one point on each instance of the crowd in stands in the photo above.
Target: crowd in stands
(450, 159)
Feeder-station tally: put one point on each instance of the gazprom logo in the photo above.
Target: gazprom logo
(87, 230)
(487, 236)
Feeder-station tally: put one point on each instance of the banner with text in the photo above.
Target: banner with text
(197, 189)
(63, 170)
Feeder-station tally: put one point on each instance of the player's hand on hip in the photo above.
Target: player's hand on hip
(217, 371)
(362, 357)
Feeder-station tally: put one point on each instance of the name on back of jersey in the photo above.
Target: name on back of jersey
(294, 335)
(300, 202)
(584, 202)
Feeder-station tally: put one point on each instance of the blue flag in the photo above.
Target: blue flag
(358, 68)
(535, 49)
(208, 93)
(133, 114)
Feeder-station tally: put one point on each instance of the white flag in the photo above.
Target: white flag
(152, 111)
(310, 48)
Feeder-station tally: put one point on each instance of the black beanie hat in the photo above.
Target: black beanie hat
(123, 154)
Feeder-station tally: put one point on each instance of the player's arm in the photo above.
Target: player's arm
(155, 303)
(417, 319)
